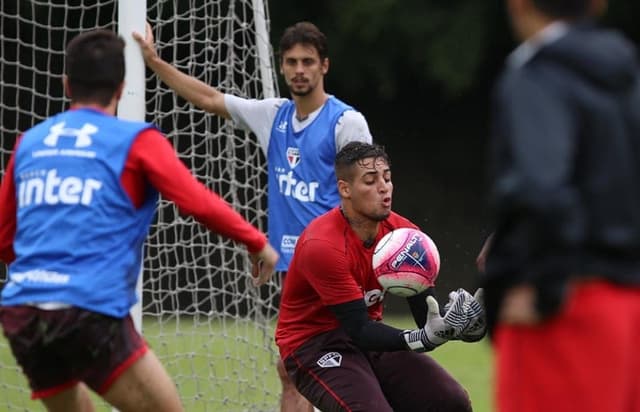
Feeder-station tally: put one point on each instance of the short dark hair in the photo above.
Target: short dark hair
(95, 66)
(564, 9)
(356, 152)
(304, 33)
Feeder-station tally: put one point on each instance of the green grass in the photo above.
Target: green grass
(469, 363)
(221, 365)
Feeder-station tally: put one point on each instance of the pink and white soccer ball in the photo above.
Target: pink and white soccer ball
(406, 262)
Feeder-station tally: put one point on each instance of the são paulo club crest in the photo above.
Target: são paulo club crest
(293, 156)
(330, 360)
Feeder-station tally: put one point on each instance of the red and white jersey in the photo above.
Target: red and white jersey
(330, 266)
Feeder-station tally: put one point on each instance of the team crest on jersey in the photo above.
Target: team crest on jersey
(330, 360)
(293, 156)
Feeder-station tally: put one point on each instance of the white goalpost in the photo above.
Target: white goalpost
(132, 17)
(211, 329)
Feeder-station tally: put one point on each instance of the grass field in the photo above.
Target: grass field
(222, 366)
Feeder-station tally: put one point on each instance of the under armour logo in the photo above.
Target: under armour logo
(82, 136)
(282, 126)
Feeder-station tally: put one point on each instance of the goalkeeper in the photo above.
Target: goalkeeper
(78, 196)
(330, 333)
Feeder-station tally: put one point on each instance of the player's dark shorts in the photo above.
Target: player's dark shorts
(59, 348)
(332, 373)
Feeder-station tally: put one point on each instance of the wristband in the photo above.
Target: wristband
(414, 340)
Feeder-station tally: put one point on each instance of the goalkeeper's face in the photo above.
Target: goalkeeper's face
(303, 70)
(368, 192)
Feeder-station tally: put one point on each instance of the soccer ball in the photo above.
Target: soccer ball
(406, 262)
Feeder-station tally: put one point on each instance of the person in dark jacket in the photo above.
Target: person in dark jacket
(562, 273)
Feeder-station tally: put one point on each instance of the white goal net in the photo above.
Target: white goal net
(210, 328)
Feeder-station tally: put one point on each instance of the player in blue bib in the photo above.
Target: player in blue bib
(78, 196)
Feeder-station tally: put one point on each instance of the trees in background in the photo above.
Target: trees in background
(385, 50)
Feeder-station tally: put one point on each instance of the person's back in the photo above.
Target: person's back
(562, 266)
(79, 194)
(588, 84)
(71, 163)
(597, 73)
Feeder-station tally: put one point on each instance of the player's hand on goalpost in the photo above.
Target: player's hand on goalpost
(473, 307)
(146, 43)
(263, 264)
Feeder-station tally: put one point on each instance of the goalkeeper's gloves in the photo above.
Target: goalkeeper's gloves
(473, 307)
(437, 330)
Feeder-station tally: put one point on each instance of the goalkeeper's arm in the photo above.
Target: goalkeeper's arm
(364, 332)
(377, 336)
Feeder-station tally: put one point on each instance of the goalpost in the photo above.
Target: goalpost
(211, 329)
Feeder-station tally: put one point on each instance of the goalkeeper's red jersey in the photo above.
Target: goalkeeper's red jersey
(331, 265)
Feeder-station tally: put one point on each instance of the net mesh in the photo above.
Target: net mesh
(210, 328)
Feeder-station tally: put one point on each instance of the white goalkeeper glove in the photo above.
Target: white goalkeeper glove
(473, 307)
(438, 329)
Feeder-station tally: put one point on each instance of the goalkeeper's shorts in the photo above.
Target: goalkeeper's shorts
(335, 375)
(59, 348)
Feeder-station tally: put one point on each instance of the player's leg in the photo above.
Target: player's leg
(415, 382)
(125, 372)
(144, 386)
(335, 375)
(74, 399)
(291, 400)
(559, 364)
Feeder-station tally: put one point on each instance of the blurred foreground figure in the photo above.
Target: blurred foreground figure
(562, 279)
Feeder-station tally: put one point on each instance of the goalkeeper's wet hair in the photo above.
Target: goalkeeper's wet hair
(307, 34)
(95, 66)
(356, 152)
